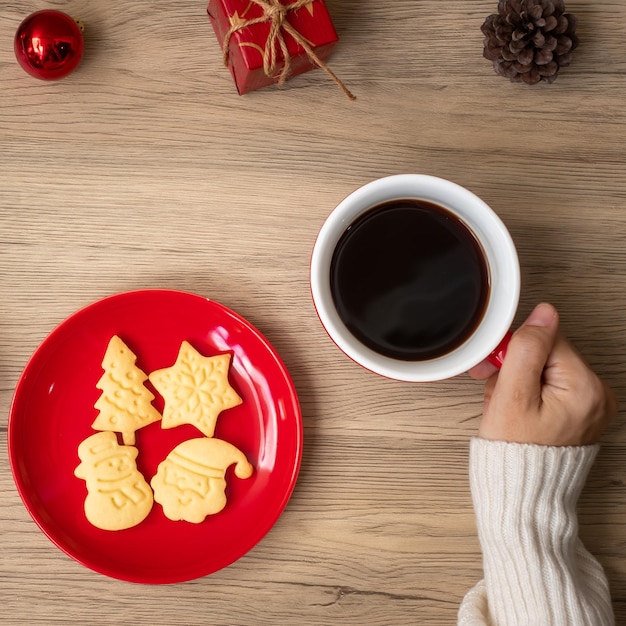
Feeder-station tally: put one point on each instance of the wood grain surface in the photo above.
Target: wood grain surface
(144, 168)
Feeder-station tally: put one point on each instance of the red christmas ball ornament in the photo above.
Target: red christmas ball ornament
(49, 44)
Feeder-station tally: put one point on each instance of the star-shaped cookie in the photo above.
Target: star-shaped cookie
(195, 389)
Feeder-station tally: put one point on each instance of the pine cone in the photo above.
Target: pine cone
(529, 40)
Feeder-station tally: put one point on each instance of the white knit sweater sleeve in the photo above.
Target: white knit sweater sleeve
(537, 571)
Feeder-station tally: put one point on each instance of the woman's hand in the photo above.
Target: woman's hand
(545, 393)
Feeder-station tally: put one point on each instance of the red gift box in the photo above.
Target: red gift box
(248, 30)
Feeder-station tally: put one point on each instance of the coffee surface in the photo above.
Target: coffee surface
(409, 280)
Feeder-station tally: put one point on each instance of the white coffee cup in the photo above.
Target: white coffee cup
(498, 250)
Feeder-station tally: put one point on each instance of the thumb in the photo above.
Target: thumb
(527, 355)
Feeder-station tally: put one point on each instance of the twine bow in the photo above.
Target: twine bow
(276, 13)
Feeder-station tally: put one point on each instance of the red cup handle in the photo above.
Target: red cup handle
(497, 356)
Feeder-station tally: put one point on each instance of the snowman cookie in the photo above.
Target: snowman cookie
(118, 496)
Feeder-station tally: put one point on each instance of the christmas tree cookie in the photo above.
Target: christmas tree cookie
(118, 496)
(125, 404)
(190, 483)
(196, 389)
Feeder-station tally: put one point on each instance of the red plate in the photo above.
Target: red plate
(53, 409)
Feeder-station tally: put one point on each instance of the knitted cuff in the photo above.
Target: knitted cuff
(519, 486)
(525, 500)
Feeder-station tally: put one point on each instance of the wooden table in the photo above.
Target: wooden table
(145, 169)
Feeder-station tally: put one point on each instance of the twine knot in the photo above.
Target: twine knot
(275, 12)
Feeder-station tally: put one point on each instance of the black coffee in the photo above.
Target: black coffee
(409, 280)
